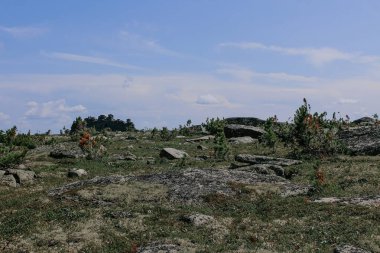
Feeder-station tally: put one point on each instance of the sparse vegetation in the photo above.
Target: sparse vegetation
(131, 214)
(312, 134)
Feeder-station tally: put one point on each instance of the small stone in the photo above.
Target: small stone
(172, 153)
(22, 167)
(349, 249)
(201, 147)
(199, 219)
(77, 173)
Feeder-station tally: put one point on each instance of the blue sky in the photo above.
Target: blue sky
(162, 62)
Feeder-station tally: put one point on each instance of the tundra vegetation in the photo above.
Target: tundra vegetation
(308, 185)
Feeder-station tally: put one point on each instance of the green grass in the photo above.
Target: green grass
(253, 222)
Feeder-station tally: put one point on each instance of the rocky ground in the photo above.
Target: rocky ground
(147, 195)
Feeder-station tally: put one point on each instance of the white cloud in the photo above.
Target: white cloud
(316, 56)
(4, 116)
(248, 75)
(174, 98)
(89, 59)
(138, 42)
(348, 101)
(52, 109)
(207, 100)
(23, 32)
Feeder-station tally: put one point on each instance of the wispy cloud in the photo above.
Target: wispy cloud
(207, 99)
(185, 95)
(4, 116)
(89, 59)
(137, 41)
(52, 109)
(23, 31)
(348, 101)
(316, 56)
(245, 74)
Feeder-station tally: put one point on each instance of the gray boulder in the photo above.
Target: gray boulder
(362, 140)
(67, 150)
(241, 130)
(243, 140)
(256, 159)
(8, 180)
(172, 153)
(349, 249)
(23, 177)
(364, 121)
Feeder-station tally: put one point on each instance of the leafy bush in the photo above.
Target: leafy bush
(165, 134)
(213, 125)
(185, 130)
(221, 147)
(9, 158)
(78, 125)
(312, 134)
(11, 138)
(91, 146)
(270, 137)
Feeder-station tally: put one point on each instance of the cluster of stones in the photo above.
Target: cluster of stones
(16, 177)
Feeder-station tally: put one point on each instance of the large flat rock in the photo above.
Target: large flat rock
(257, 159)
(191, 185)
(234, 130)
(172, 153)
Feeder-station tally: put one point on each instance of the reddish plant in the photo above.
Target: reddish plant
(320, 176)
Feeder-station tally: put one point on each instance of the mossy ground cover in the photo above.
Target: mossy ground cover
(138, 213)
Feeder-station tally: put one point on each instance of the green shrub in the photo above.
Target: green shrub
(214, 125)
(165, 134)
(9, 158)
(270, 137)
(312, 134)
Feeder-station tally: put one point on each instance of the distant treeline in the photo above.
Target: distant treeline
(103, 122)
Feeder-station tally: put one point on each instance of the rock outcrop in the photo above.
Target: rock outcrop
(256, 159)
(248, 121)
(67, 150)
(233, 130)
(191, 185)
(362, 140)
